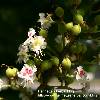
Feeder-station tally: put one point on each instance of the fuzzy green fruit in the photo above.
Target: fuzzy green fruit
(11, 72)
(78, 18)
(79, 48)
(73, 48)
(81, 12)
(76, 48)
(45, 65)
(66, 63)
(69, 26)
(59, 11)
(43, 33)
(76, 29)
(97, 19)
(55, 61)
(84, 48)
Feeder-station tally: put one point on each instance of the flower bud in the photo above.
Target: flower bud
(43, 33)
(78, 18)
(76, 29)
(66, 63)
(45, 65)
(55, 61)
(69, 26)
(76, 48)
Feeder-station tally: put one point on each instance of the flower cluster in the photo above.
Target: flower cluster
(34, 43)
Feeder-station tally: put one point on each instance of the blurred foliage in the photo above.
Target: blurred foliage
(17, 16)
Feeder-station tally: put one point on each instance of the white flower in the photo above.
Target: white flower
(31, 32)
(28, 41)
(45, 21)
(81, 74)
(27, 73)
(66, 41)
(23, 55)
(42, 15)
(3, 84)
(42, 18)
(38, 44)
(89, 41)
(23, 48)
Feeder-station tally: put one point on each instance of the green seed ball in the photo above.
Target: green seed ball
(81, 12)
(73, 48)
(45, 65)
(84, 49)
(66, 63)
(69, 26)
(76, 48)
(97, 19)
(78, 18)
(55, 61)
(59, 11)
(11, 72)
(43, 33)
(76, 29)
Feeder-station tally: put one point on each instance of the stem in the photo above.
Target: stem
(50, 49)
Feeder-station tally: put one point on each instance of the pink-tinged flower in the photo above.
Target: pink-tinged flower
(31, 32)
(80, 73)
(27, 73)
